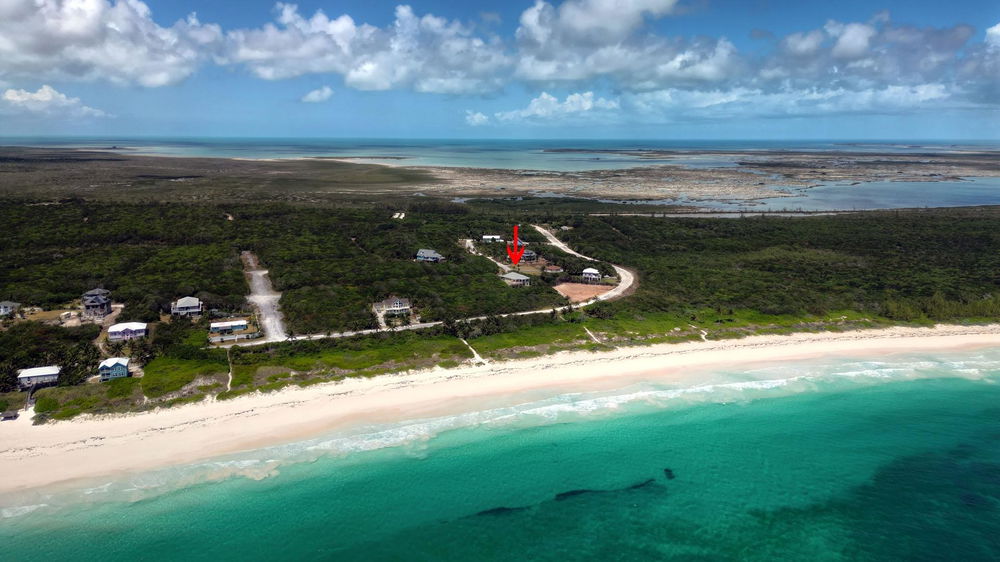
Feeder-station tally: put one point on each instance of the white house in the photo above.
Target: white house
(113, 368)
(591, 275)
(228, 327)
(490, 238)
(394, 306)
(27, 378)
(9, 308)
(515, 279)
(187, 306)
(127, 331)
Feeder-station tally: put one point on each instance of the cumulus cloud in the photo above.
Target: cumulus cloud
(426, 53)
(547, 106)
(676, 104)
(318, 95)
(475, 118)
(853, 39)
(583, 40)
(46, 101)
(993, 36)
(114, 40)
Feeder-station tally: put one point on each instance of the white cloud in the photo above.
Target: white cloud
(318, 95)
(115, 40)
(801, 44)
(582, 40)
(475, 118)
(853, 39)
(993, 36)
(548, 107)
(46, 101)
(741, 102)
(424, 53)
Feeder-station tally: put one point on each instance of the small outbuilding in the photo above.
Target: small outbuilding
(515, 279)
(38, 376)
(492, 238)
(186, 306)
(9, 308)
(591, 275)
(553, 269)
(127, 331)
(113, 368)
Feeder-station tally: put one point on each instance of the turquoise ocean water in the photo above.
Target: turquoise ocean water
(540, 154)
(895, 458)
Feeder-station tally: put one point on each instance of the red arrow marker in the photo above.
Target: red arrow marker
(517, 252)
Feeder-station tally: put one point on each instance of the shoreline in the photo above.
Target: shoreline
(91, 447)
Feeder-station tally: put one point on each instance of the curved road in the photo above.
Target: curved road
(626, 281)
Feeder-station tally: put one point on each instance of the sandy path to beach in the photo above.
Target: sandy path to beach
(32, 456)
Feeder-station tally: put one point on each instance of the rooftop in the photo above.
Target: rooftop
(127, 326)
(38, 372)
(112, 361)
(514, 276)
(592, 271)
(228, 324)
(188, 301)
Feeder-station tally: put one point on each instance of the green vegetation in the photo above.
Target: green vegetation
(146, 255)
(725, 277)
(30, 344)
(167, 374)
(273, 366)
(60, 403)
(904, 266)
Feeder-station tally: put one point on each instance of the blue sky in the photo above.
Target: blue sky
(671, 69)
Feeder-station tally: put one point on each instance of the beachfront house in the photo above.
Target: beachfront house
(492, 238)
(429, 256)
(187, 306)
(38, 376)
(96, 303)
(127, 331)
(394, 306)
(113, 368)
(515, 279)
(9, 308)
(529, 255)
(228, 327)
(591, 275)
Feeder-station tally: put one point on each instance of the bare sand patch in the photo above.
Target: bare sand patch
(579, 292)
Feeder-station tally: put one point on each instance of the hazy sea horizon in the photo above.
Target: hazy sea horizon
(543, 155)
(530, 154)
(862, 458)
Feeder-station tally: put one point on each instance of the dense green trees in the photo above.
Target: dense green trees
(32, 344)
(907, 265)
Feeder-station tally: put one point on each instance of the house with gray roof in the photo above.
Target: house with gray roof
(515, 279)
(186, 306)
(424, 254)
(96, 303)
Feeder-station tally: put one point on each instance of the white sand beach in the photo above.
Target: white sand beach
(98, 446)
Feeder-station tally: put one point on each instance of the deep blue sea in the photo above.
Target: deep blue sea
(539, 155)
(888, 458)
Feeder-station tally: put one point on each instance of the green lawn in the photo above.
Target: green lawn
(167, 374)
